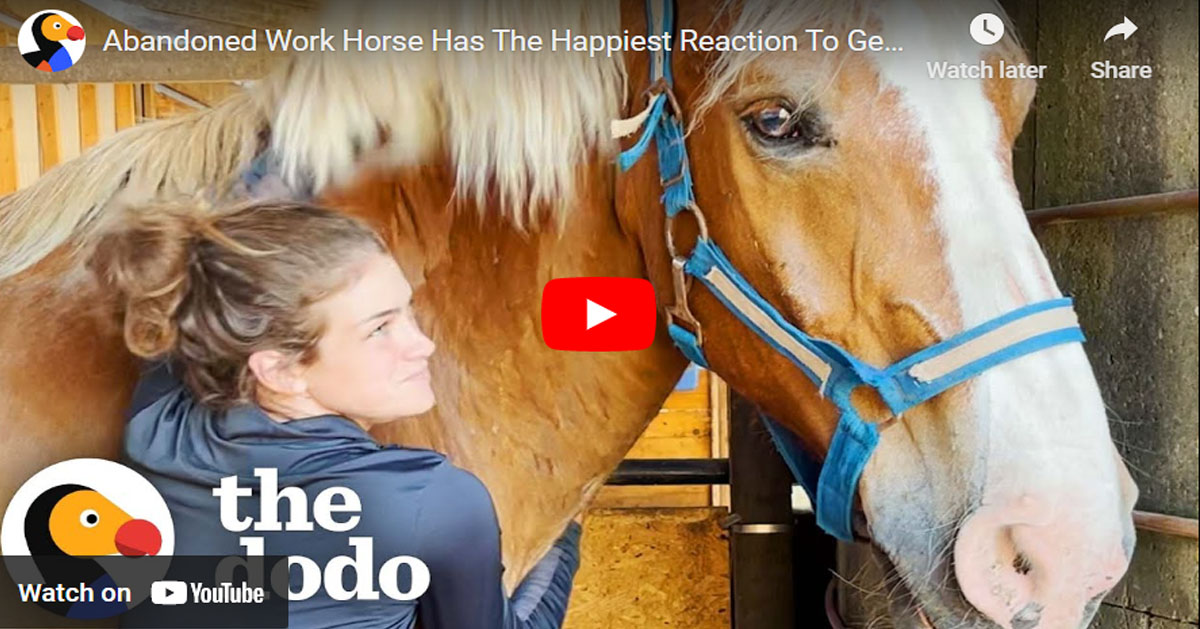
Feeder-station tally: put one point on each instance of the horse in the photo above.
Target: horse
(870, 205)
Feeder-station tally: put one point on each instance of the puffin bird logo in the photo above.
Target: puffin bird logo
(76, 521)
(51, 40)
(87, 525)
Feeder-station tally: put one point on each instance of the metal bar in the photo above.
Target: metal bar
(1181, 201)
(762, 574)
(1167, 524)
(671, 472)
(179, 96)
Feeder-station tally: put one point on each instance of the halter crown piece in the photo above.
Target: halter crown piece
(833, 484)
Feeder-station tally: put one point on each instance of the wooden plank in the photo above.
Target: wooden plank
(106, 111)
(157, 105)
(66, 104)
(643, 496)
(8, 149)
(149, 109)
(105, 66)
(1175, 525)
(668, 448)
(47, 127)
(89, 134)
(125, 105)
(718, 396)
(241, 15)
(682, 429)
(696, 398)
(680, 424)
(95, 24)
(165, 22)
(25, 133)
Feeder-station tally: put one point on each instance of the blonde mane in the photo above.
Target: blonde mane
(516, 126)
(770, 16)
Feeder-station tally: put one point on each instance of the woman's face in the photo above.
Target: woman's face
(372, 362)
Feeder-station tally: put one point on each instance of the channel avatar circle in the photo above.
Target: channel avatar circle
(73, 526)
(51, 40)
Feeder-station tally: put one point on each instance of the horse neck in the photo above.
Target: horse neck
(541, 428)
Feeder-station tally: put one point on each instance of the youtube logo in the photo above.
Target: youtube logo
(598, 314)
(168, 593)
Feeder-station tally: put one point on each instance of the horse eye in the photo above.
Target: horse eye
(89, 518)
(775, 124)
(772, 121)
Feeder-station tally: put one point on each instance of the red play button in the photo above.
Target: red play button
(598, 314)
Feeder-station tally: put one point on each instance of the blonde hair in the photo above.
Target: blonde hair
(208, 289)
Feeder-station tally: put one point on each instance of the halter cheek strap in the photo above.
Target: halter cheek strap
(833, 484)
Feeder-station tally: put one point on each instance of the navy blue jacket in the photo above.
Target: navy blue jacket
(414, 502)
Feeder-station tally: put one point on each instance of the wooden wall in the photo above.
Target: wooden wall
(690, 425)
(42, 125)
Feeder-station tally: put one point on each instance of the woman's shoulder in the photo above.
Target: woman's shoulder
(453, 480)
(419, 475)
(442, 503)
(456, 500)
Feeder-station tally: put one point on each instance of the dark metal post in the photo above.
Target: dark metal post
(761, 533)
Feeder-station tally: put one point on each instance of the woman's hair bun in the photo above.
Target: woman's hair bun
(145, 263)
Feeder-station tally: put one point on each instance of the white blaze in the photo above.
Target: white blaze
(1040, 418)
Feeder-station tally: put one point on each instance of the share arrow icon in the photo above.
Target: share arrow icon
(1125, 28)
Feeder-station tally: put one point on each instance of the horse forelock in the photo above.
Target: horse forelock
(793, 18)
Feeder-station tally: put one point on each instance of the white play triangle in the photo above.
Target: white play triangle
(597, 314)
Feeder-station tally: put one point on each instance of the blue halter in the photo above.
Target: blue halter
(832, 486)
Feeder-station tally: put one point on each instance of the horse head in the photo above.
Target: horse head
(874, 207)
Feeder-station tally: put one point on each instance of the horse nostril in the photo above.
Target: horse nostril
(1021, 564)
(1026, 564)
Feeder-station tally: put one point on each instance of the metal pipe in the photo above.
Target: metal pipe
(1181, 201)
(179, 96)
(671, 472)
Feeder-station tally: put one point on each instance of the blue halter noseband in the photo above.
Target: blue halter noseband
(832, 486)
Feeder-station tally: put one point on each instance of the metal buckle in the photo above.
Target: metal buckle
(679, 278)
(660, 86)
(679, 310)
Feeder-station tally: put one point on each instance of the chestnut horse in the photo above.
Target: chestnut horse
(869, 204)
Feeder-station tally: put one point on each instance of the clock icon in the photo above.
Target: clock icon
(987, 28)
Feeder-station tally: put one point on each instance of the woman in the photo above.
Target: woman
(287, 332)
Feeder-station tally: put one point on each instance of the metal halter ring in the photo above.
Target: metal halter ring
(690, 206)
